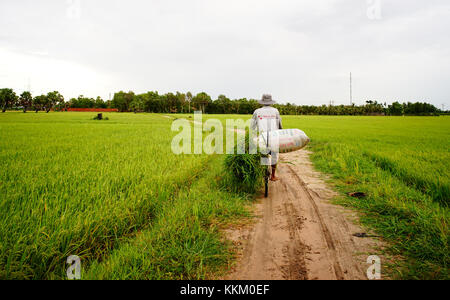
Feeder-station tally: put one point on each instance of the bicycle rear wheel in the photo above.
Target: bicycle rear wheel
(266, 183)
(266, 193)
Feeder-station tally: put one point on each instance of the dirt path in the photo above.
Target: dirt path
(299, 234)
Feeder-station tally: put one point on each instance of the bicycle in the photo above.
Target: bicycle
(267, 170)
(267, 173)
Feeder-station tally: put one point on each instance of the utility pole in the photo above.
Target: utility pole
(351, 90)
(29, 85)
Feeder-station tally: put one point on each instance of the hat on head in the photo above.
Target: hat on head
(266, 100)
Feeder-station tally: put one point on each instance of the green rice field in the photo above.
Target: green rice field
(113, 193)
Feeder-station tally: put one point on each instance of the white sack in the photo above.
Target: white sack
(283, 141)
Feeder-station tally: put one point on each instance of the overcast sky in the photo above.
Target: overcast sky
(299, 51)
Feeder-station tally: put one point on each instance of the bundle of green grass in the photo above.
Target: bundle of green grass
(244, 172)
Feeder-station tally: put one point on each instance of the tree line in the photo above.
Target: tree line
(25, 101)
(370, 108)
(153, 102)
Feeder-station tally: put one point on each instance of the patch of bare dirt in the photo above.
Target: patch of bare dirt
(299, 233)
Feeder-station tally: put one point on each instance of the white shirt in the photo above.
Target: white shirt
(266, 119)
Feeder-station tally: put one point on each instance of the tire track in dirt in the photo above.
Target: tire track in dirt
(325, 231)
(298, 233)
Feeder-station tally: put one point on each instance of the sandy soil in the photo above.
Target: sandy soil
(298, 233)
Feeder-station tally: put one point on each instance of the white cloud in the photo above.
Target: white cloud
(46, 74)
(300, 51)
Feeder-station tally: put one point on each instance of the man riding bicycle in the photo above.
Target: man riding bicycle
(266, 119)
